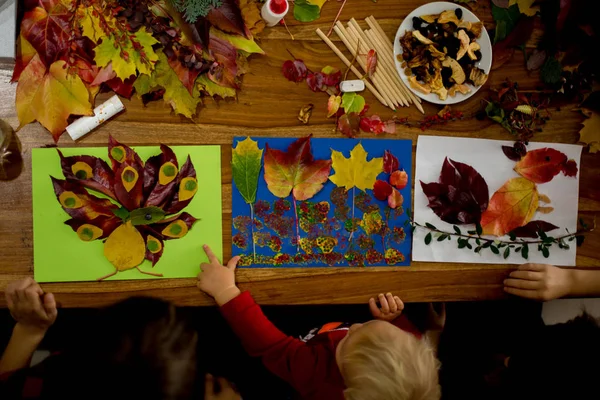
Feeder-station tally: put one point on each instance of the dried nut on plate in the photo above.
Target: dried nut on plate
(440, 55)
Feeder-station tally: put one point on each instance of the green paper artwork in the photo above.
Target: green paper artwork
(77, 252)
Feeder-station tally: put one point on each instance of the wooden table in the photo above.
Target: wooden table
(268, 106)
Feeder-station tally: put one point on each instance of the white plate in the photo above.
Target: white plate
(436, 8)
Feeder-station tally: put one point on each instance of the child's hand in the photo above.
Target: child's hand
(218, 280)
(436, 316)
(391, 307)
(33, 310)
(539, 282)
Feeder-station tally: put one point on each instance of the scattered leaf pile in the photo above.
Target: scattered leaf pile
(144, 210)
(69, 51)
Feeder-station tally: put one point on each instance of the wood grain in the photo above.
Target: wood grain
(267, 106)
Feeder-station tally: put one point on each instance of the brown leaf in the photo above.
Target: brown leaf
(305, 113)
(545, 210)
(590, 133)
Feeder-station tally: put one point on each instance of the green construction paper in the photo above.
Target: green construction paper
(60, 256)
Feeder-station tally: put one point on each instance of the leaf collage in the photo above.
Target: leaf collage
(69, 52)
(316, 202)
(142, 204)
(461, 197)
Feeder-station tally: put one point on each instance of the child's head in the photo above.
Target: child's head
(139, 348)
(380, 361)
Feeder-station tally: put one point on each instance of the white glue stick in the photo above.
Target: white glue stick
(273, 11)
(104, 111)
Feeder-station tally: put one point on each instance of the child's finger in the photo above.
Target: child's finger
(385, 307)
(522, 284)
(532, 267)
(21, 286)
(35, 302)
(211, 256)
(209, 386)
(375, 311)
(391, 302)
(528, 294)
(50, 306)
(232, 264)
(399, 303)
(527, 275)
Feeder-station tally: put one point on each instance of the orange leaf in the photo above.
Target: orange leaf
(295, 170)
(541, 165)
(37, 86)
(512, 206)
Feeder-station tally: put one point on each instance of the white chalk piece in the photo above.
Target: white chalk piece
(356, 85)
(103, 112)
(273, 11)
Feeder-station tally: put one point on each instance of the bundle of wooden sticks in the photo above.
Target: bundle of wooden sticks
(386, 85)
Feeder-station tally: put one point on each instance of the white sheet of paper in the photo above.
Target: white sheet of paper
(487, 158)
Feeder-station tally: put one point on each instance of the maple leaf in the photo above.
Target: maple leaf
(47, 29)
(90, 23)
(294, 71)
(390, 162)
(246, 160)
(124, 57)
(590, 133)
(355, 171)
(37, 85)
(295, 170)
(460, 196)
(333, 105)
(371, 62)
(541, 165)
(25, 53)
(512, 206)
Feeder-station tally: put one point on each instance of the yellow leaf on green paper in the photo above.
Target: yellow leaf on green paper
(90, 24)
(355, 171)
(590, 133)
(318, 3)
(238, 41)
(525, 7)
(125, 247)
(37, 85)
(175, 93)
(206, 85)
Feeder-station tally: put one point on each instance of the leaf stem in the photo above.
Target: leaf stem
(352, 220)
(297, 229)
(252, 232)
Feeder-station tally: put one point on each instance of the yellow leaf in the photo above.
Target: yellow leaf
(318, 3)
(590, 133)
(355, 171)
(90, 24)
(125, 247)
(144, 38)
(250, 11)
(206, 85)
(108, 51)
(175, 93)
(50, 96)
(525, 7)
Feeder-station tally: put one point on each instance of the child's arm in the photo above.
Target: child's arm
(547, 282)
(34, 312)
(285, 356)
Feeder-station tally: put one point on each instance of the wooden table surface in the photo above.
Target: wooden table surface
(268, 106)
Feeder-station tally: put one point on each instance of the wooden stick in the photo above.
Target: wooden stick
(351, 46)
(352, 68)
(392, 66)
(389, 75)
(380, 35)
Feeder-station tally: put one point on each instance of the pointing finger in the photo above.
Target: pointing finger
(211, 256)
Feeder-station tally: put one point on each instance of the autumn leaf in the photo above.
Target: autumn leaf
(399, 179)
(371, 62)
(525, 7)
(251, 15)
(382, 190)
(224, 72)
(212, 89)
(349, 124)
(89, 172)
(295, 171)
(246, 161)
(390, 162)
(90, 24)
(533, 228)
(187, 76)
(590, 133)
(305, 113)
(25, 53)
(374, 124)
(238, 41)
(512, 206)
(541, 165)
(47, 29)
(294, 71)
(333, 105)
(460, 196)
(355, 171)
(304, 11)
(125, 247)
(228, 18)
(395, 199)
(37, 85)
(353, 103)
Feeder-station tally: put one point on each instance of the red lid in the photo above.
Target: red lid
(278, 6)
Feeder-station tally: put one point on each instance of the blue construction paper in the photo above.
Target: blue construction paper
(289, 255)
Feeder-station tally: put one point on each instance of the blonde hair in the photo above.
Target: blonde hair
(382, 365)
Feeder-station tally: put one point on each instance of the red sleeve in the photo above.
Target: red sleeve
(304, 366)
(406, 325)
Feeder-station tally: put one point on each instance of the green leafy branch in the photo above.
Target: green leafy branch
(472, 240)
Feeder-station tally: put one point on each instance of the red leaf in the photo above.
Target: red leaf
(105, 74)
(381, 190)
(371, 62)
(374, 124)
(184, 217)
(570, 168)
(348, 124)
(504, 49)
(315, 81)
(122, 88)
(399, 179)
(90, 206)
(76, 169)
(48, 31)
(395, 199)
(224, 71)
(541, 165)
(159, 194)
(107, 223)
(228, 18)
(511, 153)
(129, 155)
(390, 162)
(461, 195)
(294, 71)
(187, 170)
(331, 76)
(187, 76)
(532, 229)
(153, 257)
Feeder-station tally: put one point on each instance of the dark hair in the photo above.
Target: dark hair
(563, 362)
(140, 348)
